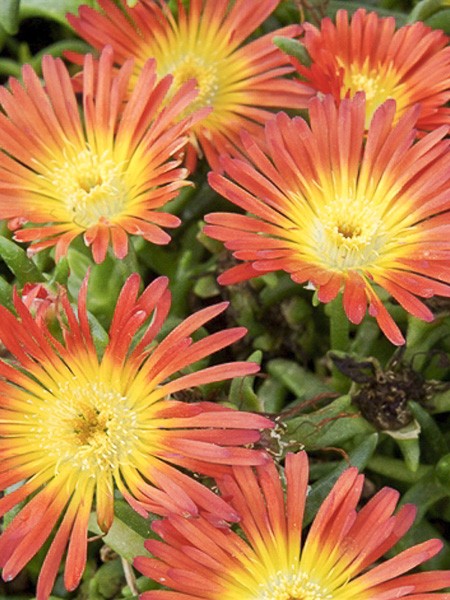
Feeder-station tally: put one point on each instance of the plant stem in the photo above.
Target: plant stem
(339, 325)
(130, 577)
(339, 339)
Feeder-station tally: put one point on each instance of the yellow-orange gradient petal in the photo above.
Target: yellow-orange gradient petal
(104, 173)
(74, 425)
(344, 209)
(198, 561)
(240, 82)
(366, 53)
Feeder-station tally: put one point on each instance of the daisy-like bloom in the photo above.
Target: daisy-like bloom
(342, 209)
(104, 174)
(240, 82)
(272, 563)
(75, 424)
(367, 54)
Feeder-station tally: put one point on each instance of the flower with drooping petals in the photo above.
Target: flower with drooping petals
(75, 424)
(367, 54)
(343, 210)
(105, 174)
(240, 82)
(272, 562)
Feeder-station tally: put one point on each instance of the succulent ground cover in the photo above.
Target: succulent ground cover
(224, 299)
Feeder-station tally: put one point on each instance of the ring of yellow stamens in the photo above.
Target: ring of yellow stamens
(292, 586)
(378, 84)
(349, 234)
(90, 185)
(192, 66)
(91, 427)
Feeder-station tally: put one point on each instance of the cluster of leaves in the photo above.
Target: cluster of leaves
(385, 412)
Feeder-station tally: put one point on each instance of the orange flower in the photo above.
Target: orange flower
(104, 175)
(345, 211)
(240, 82)
(74, 424)
(271, 562)
(409, 65)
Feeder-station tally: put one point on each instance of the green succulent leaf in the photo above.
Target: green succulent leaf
(51, 9)
(9, 15)
(6, 294)
(293, 48)
(122, 537)
(242, 394)
(18, 262)
(427, 8)
(411, 453)
(331, 425)
(434, 443)
(298, 380)
(425, 493)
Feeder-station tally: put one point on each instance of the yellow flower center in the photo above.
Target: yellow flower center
(292, 586)
(348, 234)
(378, 84)
(90, 426)
(192, 66)
(91, 186)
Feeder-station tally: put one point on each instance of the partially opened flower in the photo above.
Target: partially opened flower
(40, 300)
(343, 210)
(240, 82)
(104, 174)
(367, 54)
(75, 424)
(271, 562)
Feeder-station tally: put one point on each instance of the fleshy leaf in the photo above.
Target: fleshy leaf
(426, 9)
(122, 538)
(293, 48)
(9, 15)
(18, 262)
(242, 394)
(51, 9)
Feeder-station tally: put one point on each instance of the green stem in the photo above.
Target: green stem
(339, 339)
(339, 325)
(131, 263)
(130, 577)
